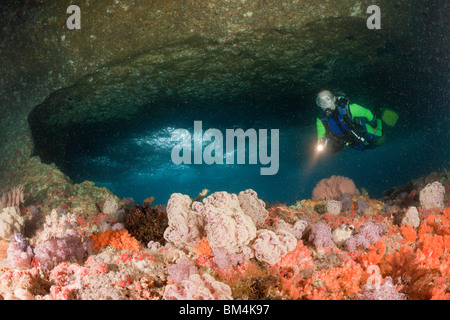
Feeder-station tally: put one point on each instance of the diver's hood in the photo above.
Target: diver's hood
(324, 103)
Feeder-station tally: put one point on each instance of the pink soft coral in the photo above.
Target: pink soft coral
(333, 187)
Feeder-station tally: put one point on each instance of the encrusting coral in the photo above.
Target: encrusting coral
(231, 246)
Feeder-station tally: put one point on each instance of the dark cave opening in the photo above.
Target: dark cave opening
(132, 158)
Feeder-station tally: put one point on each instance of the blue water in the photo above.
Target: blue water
(135, 160)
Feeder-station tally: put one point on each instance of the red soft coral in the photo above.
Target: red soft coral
(333, 187)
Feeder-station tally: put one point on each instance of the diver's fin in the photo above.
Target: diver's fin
(389, 117)
(379, 141)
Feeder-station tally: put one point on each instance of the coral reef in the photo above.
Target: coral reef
(230, 246)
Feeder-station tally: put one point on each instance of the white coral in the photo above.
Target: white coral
(58, 225)
(411, 217)
(270, 247)
(110, 207)
(228, 229)
(185, 225)
(198, 287)
(226, 225)
(432, 196)
(253, 207)
(222, 199)
(341, 234)
(220, 217)
(296, 230)
(334, 207)
(10, 222)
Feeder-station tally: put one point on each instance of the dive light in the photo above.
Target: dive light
(321, 144)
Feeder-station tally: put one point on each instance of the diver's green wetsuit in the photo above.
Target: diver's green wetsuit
(358, 114)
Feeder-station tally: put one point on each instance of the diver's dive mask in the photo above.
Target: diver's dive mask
(325, 101)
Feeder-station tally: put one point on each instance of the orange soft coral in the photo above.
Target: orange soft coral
(409, 233)
(202, 247)
(440, 291)
(329, 284)
(118, 239)
(300, 257)
(374, 255)
(340, 282)
(434, 252)
(434, 243)
(446, 213)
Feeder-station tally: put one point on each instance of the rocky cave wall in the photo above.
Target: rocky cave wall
(131, 56)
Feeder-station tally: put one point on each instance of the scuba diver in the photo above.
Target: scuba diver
(343, 123)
